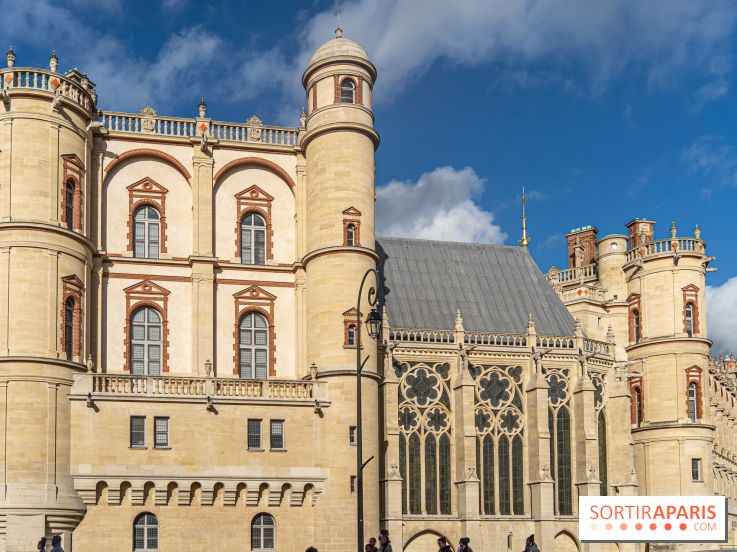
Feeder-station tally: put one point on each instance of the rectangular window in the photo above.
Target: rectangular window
(277, 434)
(138, 431)
(352, 435)
(696, 469)
(161, 432)
(353, 484)
(254, 434)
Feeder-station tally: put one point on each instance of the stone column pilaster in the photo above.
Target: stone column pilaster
(538, 465)
(202, 163)
(467, 483)
(392, 482)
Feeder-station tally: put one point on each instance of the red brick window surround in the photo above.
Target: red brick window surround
(254, 200)
(71, 317)
(693, 393)
(350, 329)
(637, 401)
(254, 299)
(71, 192)
(690, 310)
(151, 193)
(635, 318)
(352, 227)
(147, 294)
(357, 89)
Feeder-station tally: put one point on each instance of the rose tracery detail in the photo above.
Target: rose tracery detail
(422, 387)
(558, 391)
(437, 419)
(408, 419)
(495, 389)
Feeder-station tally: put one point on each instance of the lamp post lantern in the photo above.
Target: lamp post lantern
(373, 324)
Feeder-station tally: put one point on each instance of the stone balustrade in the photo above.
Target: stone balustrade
(40, 80)
(149, 123)
(598, 347)
(421, 336)
(495, 340)
(123, 385)
(583, 292)
(668, 246)
(569, 275)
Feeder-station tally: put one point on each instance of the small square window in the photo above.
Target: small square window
(696, 469)
(161, 432)
(277, 434)
(352, 435)
(254, 434)
(138, 431)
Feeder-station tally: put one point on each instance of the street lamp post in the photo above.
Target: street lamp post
(373, 323)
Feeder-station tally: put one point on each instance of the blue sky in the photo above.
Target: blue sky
(604, 111)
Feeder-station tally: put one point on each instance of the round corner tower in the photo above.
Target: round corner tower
(339, 144)
(669, 352)
(45, 267)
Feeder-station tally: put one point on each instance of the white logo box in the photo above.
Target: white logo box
(652, 519)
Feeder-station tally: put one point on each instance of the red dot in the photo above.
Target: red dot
(638, 526)
(653, 526)
(608, 526)
(668, 527)
(683, 526)
(623, 526)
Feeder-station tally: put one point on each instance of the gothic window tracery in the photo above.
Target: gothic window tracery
(559, 425)
(424, 441)
(498, 415)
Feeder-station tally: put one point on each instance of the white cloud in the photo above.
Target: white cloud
(714, 159)
(125, 82)
(721, 305)
(439, 205)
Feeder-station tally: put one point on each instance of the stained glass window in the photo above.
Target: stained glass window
(415, 481)
(603, 491)
(431, 475)
(517, 477)
(488, 475)
(403, 470)
(563, 445)
(445, 474)
(553, 470)
(504, 499)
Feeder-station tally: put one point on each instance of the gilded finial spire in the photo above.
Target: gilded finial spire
(525, 241)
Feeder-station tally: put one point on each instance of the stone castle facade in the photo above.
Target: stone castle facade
(178, 343)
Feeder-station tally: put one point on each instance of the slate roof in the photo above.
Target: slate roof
(494, 286)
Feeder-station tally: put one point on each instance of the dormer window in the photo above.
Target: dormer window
(347, 91)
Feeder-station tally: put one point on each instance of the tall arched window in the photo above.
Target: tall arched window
(350, 235)
(347, 91)
(69, 328)
(692, 404)
(563, 462)
(146, 232)
(69, 204)
(146, 532)
(504, 490)
(253, 346)
(425, 422)
(638, 406)
(517, 477)
(689, 319)
(431, 475)
(351, 339)
(263, 532)
(146, 342)
(487, 475)
(253, 239)
(604, 487)
(636, 325)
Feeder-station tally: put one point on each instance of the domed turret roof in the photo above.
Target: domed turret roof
(339, 46)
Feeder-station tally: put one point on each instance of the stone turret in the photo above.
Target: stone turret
(45, 156)
(338, 144)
